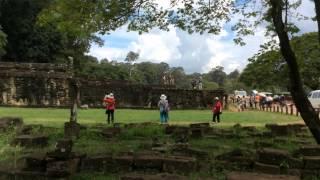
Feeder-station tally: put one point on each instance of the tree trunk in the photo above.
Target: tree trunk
(298, 94)
(317, 5)
(75, 102)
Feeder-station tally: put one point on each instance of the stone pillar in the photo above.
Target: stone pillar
(13, 90)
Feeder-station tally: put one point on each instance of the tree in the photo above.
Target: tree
(265, 72)
(217, 75)
(317, 8)
(234, 74)
(208, 17)
(308, 114)
(268, 70)
(3, 42)
(130, 59)
(26, 41)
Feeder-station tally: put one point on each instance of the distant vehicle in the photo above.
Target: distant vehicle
(314, 98)
(266, 93)
(240, 93)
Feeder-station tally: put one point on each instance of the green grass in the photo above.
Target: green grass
(56, 117)
(139, 138)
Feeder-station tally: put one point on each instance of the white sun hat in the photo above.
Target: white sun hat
(163, 96)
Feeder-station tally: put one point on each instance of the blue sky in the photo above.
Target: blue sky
(195, 53)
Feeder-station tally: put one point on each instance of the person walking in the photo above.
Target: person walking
(217, 110)
(163, 105)
(109, 102)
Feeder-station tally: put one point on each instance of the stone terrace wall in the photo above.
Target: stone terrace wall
(34, 84)
(144, 96)
(39, 84)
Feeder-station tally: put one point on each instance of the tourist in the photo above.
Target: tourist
(217, 110)
(163, 105)
(109, 102)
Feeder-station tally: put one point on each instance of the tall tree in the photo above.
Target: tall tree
(317, 7)
(3, 42)
(217, 75)
(302, 103)
(130, 59)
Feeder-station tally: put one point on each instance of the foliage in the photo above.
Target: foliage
(269, 71)
(25, 41)
(216, 75)
(3, 41)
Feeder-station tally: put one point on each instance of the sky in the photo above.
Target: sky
(195, 53)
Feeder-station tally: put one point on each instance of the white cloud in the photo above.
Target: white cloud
(157, 46)
(195, 53)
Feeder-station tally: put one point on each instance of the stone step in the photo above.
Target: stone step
(258, 176)
(311, 162)
(153, 177)
(125, 163)
(310, 150)
(272, 156)
(31, 140)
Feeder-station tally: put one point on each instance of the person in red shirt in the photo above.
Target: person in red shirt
(110, 102)
(217, 110)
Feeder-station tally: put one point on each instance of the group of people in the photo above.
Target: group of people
(163, 104)
(256, 101)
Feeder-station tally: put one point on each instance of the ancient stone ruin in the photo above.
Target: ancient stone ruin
(41, 84)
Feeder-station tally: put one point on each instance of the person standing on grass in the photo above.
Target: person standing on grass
(163, 105)
(109, 102)
(217, 110)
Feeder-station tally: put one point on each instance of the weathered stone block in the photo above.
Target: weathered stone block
(24, 175)
(111, 132)
(280, 130)
(295, 163)
(311, 162)
(258, 176)
(197, 132)
(249, 128)
(170, 129)
(191, 152)
(12, 121)
(62, 150)
(98, 163)
(31, 140)
(62, 168)
(272, 156)
(36, 162)
(64, 145)
(123, 163)
(200, 125)
(310, 150)
(30, 129)
(7, 122)
(152, 177)
(266, 168)
(310, 174)
(148, 162)
(183, 165)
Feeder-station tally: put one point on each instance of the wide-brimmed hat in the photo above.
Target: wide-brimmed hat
(163, 96)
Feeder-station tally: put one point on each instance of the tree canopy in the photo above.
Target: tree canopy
(269, 71)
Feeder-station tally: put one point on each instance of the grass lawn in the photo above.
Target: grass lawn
(140, 139)
(56, 117)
